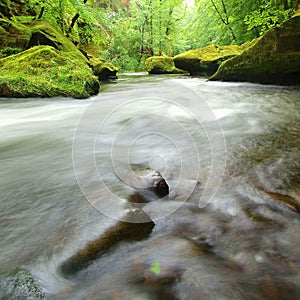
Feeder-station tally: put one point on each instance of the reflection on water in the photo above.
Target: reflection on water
(243, 245)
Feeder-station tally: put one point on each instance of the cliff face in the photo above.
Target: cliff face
(273, 58)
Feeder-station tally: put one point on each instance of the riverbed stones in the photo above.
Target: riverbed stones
(134, 226)
(274, 58)
(20, 285)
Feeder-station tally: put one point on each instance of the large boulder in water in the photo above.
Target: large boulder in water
(205, 61)
(273, 58)
(43, 71)
(162, 65)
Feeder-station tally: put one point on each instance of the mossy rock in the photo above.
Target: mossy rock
(162, 65)
(103, 70)
(273, 58)
(13, 36)
(43, 71)
(37, 33)
(42, 33)
(205, 61)
(9, 9)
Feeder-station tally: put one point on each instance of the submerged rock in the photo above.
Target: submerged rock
(136, 225)
(273, 58)
(20, 285)
(162, 65)
(43, 71)
(286, 200)
(205, 61)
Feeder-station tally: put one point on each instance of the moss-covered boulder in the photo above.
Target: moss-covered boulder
(273, 58)
(205, 61)
(42, 33)
(43, 71)
(14, 37)
(103, 70)
(162, 65)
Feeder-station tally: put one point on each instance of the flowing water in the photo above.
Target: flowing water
(229, 228)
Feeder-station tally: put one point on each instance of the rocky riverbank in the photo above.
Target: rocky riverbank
(274, 58)
(37, 60)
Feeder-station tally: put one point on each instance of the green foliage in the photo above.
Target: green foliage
(127, 32)
(206, 27)
(267, 16)
(155, 267)
(7, 51)
(59, 13)
(123, 48)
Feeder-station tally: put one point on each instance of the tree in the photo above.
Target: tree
(268, 15)
(224, 17)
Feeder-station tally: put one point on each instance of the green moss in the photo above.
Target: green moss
(273, 58)
(205, 61)
(19, 36)
(44, 71)
(13, 35)
(161, 65)
(103, 70)
(42, 33)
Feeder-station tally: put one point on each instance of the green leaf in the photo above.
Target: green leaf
(155, 267)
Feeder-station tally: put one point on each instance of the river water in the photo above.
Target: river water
(229, 228)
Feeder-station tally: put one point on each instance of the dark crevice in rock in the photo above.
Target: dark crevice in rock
(38, 38)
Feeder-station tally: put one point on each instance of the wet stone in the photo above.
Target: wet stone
(151, 183)
(136, 225)
(20, 285)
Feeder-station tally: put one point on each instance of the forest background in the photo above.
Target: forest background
(126, 32)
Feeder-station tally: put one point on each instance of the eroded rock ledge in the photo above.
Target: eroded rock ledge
(273, 59)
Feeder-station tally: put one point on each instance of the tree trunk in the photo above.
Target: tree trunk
(41, 13)
(74, 20)
(225, 20)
